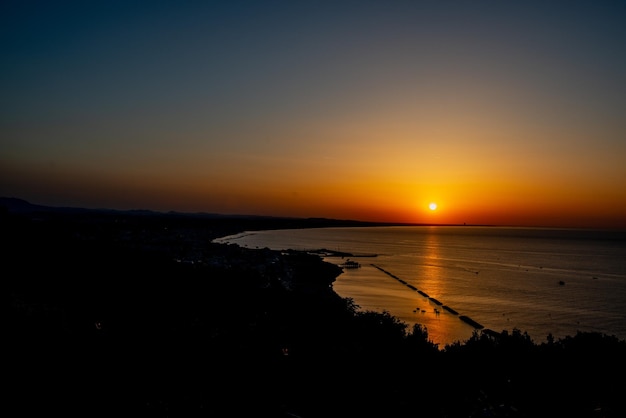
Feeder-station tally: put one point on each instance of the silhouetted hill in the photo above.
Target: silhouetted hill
(115, 312)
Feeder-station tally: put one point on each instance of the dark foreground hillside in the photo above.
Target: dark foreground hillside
(111, 314)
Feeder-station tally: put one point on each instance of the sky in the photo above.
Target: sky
(500, 112)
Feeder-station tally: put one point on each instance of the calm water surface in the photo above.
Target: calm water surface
(537, 280)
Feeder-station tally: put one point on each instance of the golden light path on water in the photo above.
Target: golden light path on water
(401, 301)
(503, 278)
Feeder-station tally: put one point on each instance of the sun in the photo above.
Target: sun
(432, 206)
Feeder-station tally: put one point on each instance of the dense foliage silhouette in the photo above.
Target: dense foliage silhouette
(117, 313)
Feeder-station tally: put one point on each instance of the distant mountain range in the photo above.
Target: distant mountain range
(15, 205)
(20, 206)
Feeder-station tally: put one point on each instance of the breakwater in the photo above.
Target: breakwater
(463, 318)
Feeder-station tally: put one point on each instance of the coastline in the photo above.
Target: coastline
(536, 305)
(152, 318)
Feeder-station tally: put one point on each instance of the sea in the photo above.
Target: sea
(456, 281)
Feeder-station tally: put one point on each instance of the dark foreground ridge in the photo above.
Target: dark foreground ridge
(139, 314)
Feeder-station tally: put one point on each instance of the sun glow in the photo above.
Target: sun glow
(432, 206)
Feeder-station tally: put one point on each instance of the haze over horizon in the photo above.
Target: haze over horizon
(501, 113)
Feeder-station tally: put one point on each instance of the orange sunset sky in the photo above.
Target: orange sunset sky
(506, 113)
